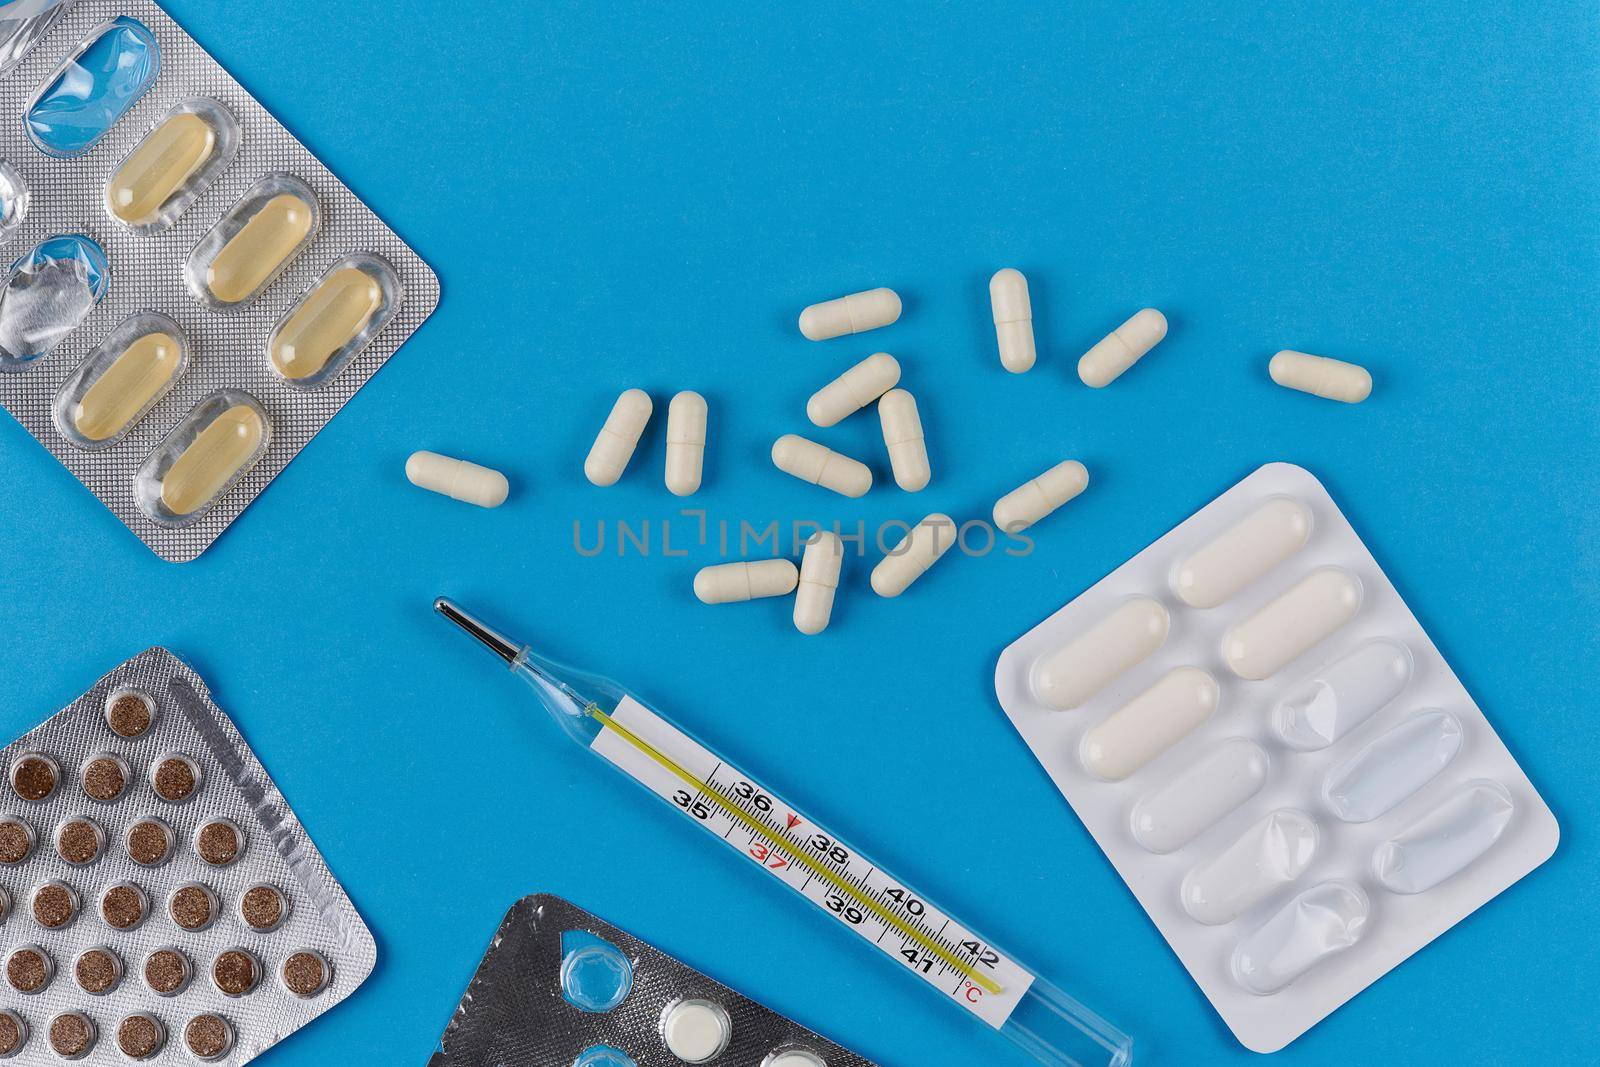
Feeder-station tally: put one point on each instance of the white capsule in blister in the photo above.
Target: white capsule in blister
(1331, 379)
(1343, 695)
(613, 447)
(819, 581)
(1288, 626)
(1122, 348)
(820, 465)
(1149, 724)
(1445, 841)
(1323, 921)
(1392, 767)
(1269, 855)
(854, 389)
(1013, 319)
(686, 443)
(855, 313)
(1088, 663)
(1242, 553)
(1197, 799)
(1028, 503)
(734, 583)
(920, 549)
(902, 434)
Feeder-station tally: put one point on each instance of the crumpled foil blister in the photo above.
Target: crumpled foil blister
(514, 1015)
(277, 851)
(147, 271)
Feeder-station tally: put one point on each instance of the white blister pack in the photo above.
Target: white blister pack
(1273, 754)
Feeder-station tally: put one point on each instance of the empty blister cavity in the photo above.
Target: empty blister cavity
(47, 294)
(23, 23)
(1269, 855)
(1393, 766)
(596, 976)
(175, 162)
(121, 380)
(14, 202)
(203, 457)
(94, 88)
(1342, 695)
(1088, 663)
(335, 320)
(1445, 841)
(1307, 613)
(1323, 921)
(253, 243)
(1202, 795)
(1242, 553)
(1149, 724)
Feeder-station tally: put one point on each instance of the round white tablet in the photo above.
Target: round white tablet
(794, 1057)
(695, 1030)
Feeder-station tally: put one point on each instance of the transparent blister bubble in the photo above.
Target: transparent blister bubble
(172, 165)
(47, 294)
(1342, 695)
(93, 88)
(1393, 766)
(253, 243)
(334, 320)
(14, 200)
(203, 457)
(1445, 841)
(122, 379)
(1197, 799)
(23, 23)
(1270, 854)
(1323, 921)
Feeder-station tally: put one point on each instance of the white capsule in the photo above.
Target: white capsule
(1199, 797)
(854, 389)
(734, 583)
(1271, 854)
(686, 443)
(457, 479)
(918, 550)
(1242, 553)
(1309, 611)
(1088, 663)
(1331, 379)
(902, 433)
(1149, 724)
(1122, 348)
(814, 463)
(1013, 319)
(1321, 922)
(1027, 504)
(855, 313)
(614, 445)
(819, 579)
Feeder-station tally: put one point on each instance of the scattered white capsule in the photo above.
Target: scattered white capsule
(854, 389)
(686, 443)
(1027, 504)
(1088, 663)
(814, 463)
(1242, 553)
(918, 550)
(902, 433)
(1149, 724)
(819, 580)
(1013, 319)
(457, 479)
(855, 313)
(1309, 611)
(1122, 348)
(1331, 379)
(734, 583)
(614, 446)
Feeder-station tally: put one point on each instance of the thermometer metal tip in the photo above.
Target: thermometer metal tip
(493, 640)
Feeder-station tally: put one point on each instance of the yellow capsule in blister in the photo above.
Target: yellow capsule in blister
(127, 387)
(158, 168)
(329, 317)
(212, 460)
(257, 252)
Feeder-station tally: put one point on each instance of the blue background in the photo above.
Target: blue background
(646, 195)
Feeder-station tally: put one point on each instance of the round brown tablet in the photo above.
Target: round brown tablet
(97, 970)
(16, 841)
(29, 969)
(55, 905)
(80, 841)
(218, 842)
(305, 973)
(72, 1034)
(235, 972)
(262, 908)
(35, 776)
(193, 907)
(175, 778)
(123, 906)
(140, 1036)
(208, 1036)
(105, 778)
(129, 713)
(166, 971)
(13, 1032)
(149, 842)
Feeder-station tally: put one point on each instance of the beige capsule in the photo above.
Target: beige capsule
(855, 313)
(330, 317)
(213, 459)
(1032, 501)
(735, 583)
(134, 379)
(854, 389)
(686, 443)
(157, 170)
(253, 257)
(1122, 348)
(902, 434)
(820, 565)
(615, 443)
(1331, 379)
(920, 549)
(820, 465)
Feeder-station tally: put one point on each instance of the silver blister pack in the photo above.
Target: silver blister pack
(521, 1009)
(314, 922)
(226, 347)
